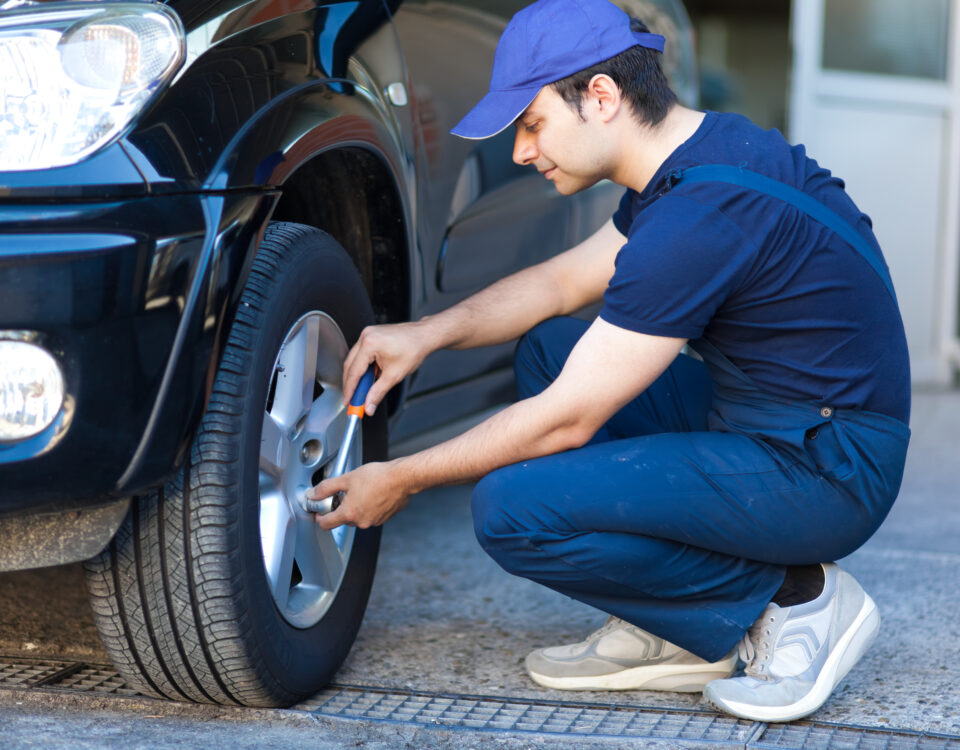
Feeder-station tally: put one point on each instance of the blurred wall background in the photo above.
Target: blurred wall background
(872, 88)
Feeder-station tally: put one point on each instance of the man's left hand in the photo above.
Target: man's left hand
(371, 495)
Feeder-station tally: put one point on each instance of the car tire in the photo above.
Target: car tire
(192, 597)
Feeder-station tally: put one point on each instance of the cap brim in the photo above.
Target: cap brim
(495, 113)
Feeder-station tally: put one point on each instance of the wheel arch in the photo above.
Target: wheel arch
(350, 193)
(335, 152)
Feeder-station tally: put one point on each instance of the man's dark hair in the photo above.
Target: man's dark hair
(639, 75)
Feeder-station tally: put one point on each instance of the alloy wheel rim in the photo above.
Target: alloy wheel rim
(303, 426)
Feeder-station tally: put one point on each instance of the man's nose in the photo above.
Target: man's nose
(524, 148)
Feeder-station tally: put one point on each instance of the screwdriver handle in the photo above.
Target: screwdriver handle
(361, 391)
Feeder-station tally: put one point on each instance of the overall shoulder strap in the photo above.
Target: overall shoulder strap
(797, 198)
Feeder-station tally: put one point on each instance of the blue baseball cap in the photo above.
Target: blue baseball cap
(544, 43)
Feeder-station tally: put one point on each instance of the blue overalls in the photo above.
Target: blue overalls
(681, 514)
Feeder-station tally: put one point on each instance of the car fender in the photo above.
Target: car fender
(302, 123)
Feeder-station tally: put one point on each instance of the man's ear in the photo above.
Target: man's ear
(604, 96)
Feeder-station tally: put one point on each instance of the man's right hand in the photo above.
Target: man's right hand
(397, 349)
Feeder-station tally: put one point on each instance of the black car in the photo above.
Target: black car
(202, 203)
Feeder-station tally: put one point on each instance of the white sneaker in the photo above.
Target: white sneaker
(620, 656)
(797, 655)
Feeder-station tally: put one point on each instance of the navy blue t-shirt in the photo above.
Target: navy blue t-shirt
(785, 299)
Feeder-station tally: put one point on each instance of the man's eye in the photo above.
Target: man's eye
(532, 127)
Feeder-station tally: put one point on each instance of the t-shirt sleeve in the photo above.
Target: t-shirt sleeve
(624, 213)
(681, 263)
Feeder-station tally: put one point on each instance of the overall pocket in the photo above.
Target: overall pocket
(864, 453)
(823, 446)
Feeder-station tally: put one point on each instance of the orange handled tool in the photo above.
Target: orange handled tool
(355, 414)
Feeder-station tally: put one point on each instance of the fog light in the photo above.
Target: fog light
(31, 390)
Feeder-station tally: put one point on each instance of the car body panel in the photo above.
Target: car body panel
(81, 181)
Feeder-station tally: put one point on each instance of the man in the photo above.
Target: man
(697, 502)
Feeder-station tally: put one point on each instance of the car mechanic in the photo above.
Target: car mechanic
(697, 501)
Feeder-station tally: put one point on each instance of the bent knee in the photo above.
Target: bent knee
(501, 517)
(488, 503)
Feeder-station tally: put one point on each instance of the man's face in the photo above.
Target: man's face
(564, 148)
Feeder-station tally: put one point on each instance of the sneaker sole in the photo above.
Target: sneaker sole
(854, 643)
(676, 678)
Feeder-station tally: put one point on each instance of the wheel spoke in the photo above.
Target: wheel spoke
(278, 538)
(274, 446)
(319, 558)
(296, 374)
(327, 422)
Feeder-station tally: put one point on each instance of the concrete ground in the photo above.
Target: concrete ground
(445, 619)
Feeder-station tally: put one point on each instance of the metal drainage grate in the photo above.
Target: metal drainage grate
(486, 713)
(516, 715)
(816, 735)
(23, 672)
(94, 678)
(600, 720)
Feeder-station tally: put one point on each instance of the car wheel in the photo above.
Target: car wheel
(218, 587)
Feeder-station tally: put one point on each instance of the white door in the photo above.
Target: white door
(876, 99)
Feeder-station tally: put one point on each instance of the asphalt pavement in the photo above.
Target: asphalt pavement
(446, 627)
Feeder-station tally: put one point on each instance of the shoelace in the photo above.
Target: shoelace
(755, 648)
(611, 623)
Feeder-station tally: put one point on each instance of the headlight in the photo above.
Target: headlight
(31, 390)
(73, 76)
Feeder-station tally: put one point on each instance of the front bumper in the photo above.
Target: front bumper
(132, 298)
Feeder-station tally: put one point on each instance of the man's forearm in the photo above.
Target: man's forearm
(499, 313)
(502, 312)
(511, 307)
(374, 492)
(519, 432)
